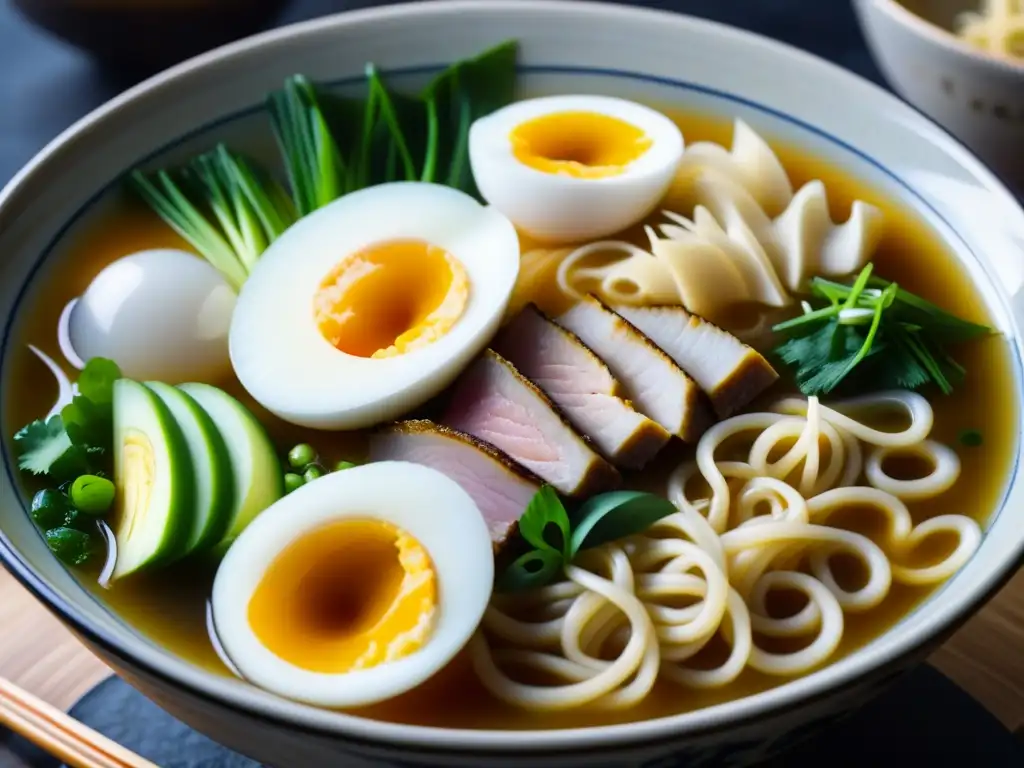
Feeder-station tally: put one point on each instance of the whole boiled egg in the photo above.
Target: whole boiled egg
(572, 168)
(160, 314)
(356, 587)
(372, 305)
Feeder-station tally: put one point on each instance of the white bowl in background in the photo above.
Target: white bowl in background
(976, 96)
(651, 56)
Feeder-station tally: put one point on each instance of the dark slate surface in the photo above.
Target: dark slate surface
(46, 85)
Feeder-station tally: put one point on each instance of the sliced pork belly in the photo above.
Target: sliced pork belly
(730, 372)
(500, 488)
(656, 385)
(493, 402)
(580, 385)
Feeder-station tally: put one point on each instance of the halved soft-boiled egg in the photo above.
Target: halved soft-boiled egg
(356, 587)
(571, 168)
(372, 305)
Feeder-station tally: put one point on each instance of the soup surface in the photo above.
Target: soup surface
(168, 606)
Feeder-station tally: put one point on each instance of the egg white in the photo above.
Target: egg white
(555, 208)
(160, 314)
(279, 353)
(421, 501)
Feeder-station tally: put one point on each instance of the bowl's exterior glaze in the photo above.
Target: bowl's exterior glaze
(645, 55)
(733, 745)
(975, 96)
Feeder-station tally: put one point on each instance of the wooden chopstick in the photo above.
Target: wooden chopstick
(60, 734)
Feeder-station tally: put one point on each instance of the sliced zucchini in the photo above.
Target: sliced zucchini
(153, 476)
(213, 486)
(255, 468)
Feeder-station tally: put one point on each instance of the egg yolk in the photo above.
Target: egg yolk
(348, 596)
(391, 298)
(583, 145)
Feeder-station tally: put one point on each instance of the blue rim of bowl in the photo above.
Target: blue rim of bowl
(23, 572)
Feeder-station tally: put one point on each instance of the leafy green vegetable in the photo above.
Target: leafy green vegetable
(616, 515)
(96, 381)
(72, 546)
(314, 163)
(92, 495)
(536, 568)
(458, 96)
(545, 523)
(44, 448)
(227, 207)
(78, 440)
(870, 336)
(51, 509)
(547, 527)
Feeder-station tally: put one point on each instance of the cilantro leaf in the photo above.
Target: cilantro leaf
(44, 448)
(77, 441)
(870, 336)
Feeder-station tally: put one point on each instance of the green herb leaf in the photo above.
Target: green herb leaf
(871, 335)
(545, 523)
(44, 448)
(535, 569)
(616, 515)
(458, 96)
(96, 381)
(940, 323)
(72, 546)
(88, 425)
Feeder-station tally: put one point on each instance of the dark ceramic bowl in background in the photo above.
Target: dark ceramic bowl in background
(148, 35)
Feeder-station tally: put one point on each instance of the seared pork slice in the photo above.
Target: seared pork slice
(493, 402)
(581, 386)
(730, 372)
(500, 487)
(654, 383)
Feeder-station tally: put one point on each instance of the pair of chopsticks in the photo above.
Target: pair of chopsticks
(60, 734)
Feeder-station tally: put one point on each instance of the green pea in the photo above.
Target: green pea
(71, 546)
(51, 509)
(293, 482)
(342, 465)
(301, 455)
(92, 495)
(313, 471)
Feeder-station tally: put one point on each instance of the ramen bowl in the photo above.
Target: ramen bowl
(821, 112)
(973, 94)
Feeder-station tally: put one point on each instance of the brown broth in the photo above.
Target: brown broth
(168, 606)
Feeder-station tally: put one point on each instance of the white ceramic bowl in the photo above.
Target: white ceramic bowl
(976, 96)
(646, 55)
